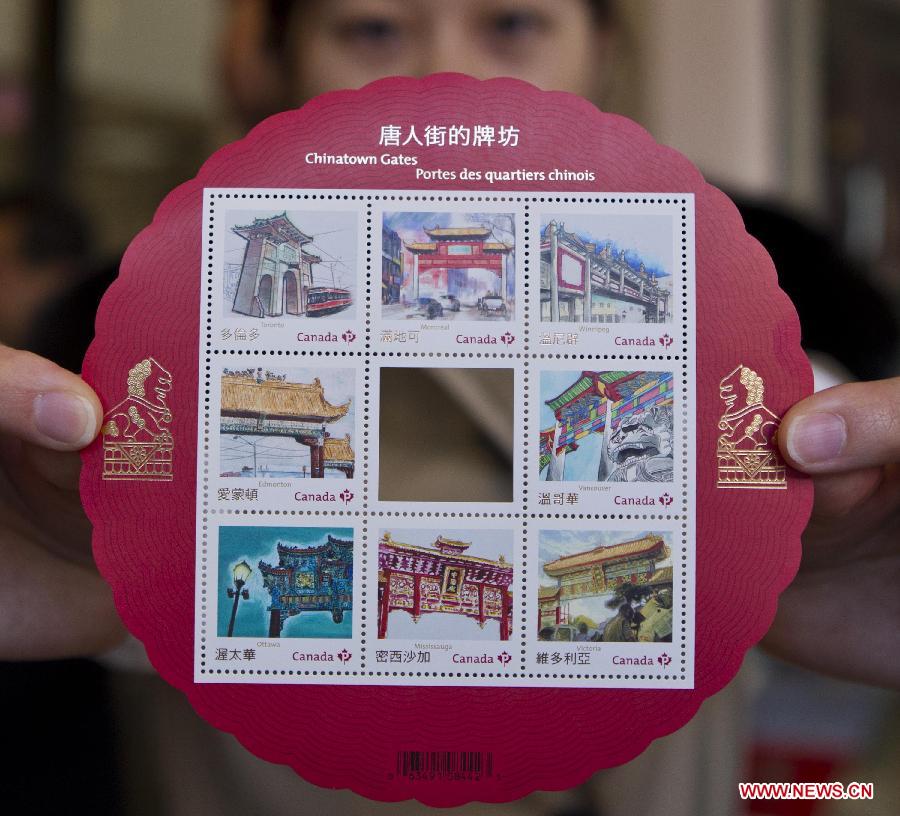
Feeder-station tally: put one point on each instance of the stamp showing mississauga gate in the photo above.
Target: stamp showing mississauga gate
(447, 594)
(446, 438)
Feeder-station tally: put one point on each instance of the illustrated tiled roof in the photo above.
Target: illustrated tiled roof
(245, 396)
(495, 246)
(457, 232)
(388, 543)
(276, 227)
(337, 449)
(546, 593)
(311, 549)
(600, 555)
(592, 381)
(661, 576)
(419, 246)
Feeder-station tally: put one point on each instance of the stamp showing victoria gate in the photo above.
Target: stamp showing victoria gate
(446, 439)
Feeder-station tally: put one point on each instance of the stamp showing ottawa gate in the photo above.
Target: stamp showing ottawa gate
(286, 438)
(286, 269)
(282, 599)
(447, 595)
(614, 277)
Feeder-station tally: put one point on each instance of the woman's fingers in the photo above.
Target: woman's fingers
(50, 607)
(845, 428)
(44, 404)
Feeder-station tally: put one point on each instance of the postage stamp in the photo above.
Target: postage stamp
(281, 598)
(609, 600)
(615, 274)
(452, 273)
(286, 437)
(606, 440)
(447, 591)
(286, 269)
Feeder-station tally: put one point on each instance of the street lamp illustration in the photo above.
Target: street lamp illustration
(253, 446)
(240, 573)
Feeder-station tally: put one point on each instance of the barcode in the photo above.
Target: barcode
(469, 765)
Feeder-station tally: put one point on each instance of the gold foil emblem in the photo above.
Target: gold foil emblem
(137, 442)
(747, 450)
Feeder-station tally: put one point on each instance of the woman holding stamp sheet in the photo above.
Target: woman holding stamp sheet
(847, 437)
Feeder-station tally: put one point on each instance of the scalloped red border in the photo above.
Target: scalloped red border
(748, 542)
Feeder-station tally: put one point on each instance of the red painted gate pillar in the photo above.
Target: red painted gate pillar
(417, 598)
(505, 604)
(317, 461)
(384, 605)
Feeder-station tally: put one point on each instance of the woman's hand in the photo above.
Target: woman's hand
(841, 614)
(53, 603)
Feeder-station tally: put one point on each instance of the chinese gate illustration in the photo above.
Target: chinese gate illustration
(309, 579)
(599, 571)
(277, 275)
(451, 252)
(442, 578)
(632, 410)
(254, 404)
(583, 282)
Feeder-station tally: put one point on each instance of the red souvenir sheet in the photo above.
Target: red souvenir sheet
(440, 427)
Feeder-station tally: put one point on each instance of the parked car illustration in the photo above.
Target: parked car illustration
(492, 305)
(426, 307)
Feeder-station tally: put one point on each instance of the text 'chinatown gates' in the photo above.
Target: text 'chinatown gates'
(442, 578)
(600, 571)
(256, 405)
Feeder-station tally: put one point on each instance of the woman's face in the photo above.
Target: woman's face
(554, 44)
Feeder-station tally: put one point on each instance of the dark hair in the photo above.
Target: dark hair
(52, 229)
(279, 17)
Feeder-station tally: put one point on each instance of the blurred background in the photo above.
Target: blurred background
(105, 105)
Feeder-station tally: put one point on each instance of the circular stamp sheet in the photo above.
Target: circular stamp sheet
(296, 527)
